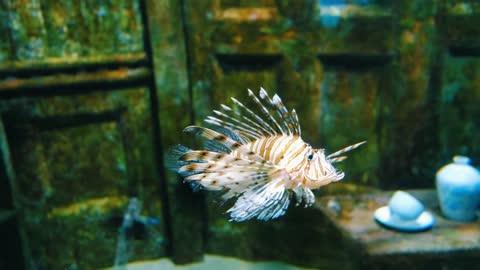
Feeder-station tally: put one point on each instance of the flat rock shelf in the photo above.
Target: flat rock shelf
(448, 245)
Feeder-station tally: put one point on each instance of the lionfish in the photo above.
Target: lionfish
(261, 161)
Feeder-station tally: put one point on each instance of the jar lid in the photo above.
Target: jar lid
(460, 170)
(461, 160)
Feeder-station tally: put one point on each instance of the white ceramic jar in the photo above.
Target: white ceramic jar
(458, 187)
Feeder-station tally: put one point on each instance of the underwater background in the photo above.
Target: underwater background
(94, 92)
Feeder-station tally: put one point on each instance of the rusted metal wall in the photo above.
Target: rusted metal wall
(81, 131)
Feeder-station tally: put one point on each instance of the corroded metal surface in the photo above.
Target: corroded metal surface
(77, 160)
(175, 112)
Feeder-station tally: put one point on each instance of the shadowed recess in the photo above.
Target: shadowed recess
(68, 121)
(247, 62)
(354, 62)
(460, 51)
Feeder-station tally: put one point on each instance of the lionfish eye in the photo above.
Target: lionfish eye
(310, 157)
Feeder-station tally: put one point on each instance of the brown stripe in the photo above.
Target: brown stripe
(320, 168)
(280, 148)
(262, 146)
(285, 149)
(299, 152)
(270, 148)
(220, 138)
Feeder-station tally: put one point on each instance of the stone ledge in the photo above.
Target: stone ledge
(353, 216)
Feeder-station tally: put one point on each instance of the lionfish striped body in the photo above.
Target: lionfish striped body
(259, 161)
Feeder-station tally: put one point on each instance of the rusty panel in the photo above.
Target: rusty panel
(253, 71)
(50, 29)
(459, 23)
(355, 48)
(362, 27)
(78, 160)
(459, 126)
(26, 30)
(349, 114)
(459, 96)
(70, 194)
(186, 213)
(408, 144)
(5, 45)
(244, 10)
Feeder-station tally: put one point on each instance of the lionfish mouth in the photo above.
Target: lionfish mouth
(331, 177)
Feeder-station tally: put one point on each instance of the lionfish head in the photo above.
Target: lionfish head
(320, 170)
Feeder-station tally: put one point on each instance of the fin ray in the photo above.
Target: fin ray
(214, 136)
(265, 202)
(345, 149)
(288, 123)
(267, 113)
(172, 160)
(260, 122)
